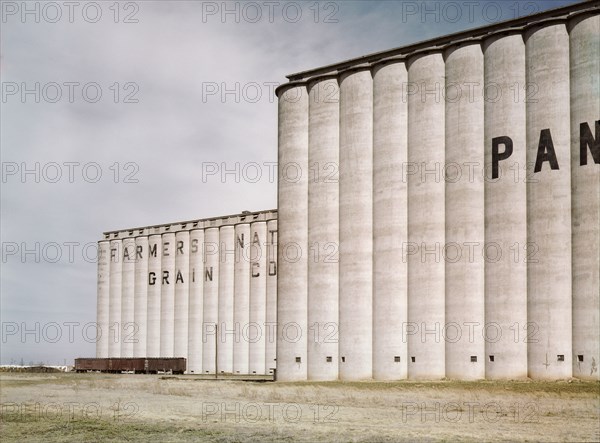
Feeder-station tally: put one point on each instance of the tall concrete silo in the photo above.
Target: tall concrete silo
(390, 141)
(140, 300)
(128, 327)
(241, 298)
(211, 300)
(114, 310)
(196, 301)
(258, 297)
(271, 314)
(426, 217)
(154, 295)
(181, 281)
(505, 208)
(292, 304)
(356, 225)
(549, 203)
(585, 198)
(226, 333)
(103, 300)
(167, 294)
(323, 229)
(465, 213)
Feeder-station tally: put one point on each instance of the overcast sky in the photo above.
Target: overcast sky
(110, 115)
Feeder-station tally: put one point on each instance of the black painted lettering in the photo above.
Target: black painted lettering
(139, 250)
(179, 277)
(586, 140)
(255, 269)
(153, 249)
(208, 274)
(497, 156)
(180, 246)
(151, 278)
(165, 280)
(545, 152)
(166, 249)
(240, 241)
(272, 232)
(194, 244)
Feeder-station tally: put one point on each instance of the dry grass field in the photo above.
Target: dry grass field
(101, 407)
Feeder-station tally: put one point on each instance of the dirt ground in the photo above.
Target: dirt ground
(103, 407)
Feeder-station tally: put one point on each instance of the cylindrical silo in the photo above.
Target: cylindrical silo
(181, 281)
(103, 301)
(167, 294)
(426, 217)
(356, 225)
(226, 329)
(292, 198)
(140, 300)
(549, 280)
(390, 137)
(128, 327)
(465, 213)
(154, 294)
(271, 314)
(585, 196)
(114, 309)
(241, 298)
(505, 208)
(323, 229)
(255, 333)
(196, 285)
(210, 312)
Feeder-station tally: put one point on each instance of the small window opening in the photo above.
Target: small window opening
(329, 359)
(343, 359)
(491, 358)
(473, 359)
(397, 359)
(560, 357)
(298, 359)
(580, 358)
(413, 359)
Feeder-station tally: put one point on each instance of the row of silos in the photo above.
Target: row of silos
(202, 290)
(458, 188)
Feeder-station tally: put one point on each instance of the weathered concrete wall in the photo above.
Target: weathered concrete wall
(469, 196)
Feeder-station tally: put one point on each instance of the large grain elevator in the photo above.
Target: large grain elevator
(445, 197)
(204, 290)
(438, 217)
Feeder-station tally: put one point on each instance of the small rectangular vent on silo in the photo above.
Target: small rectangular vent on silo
(473, 359)
(491, 358)
(298, 359)
(329, 359)
(397, 359)
(560, 357)
(413, 359)
(580, 358)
